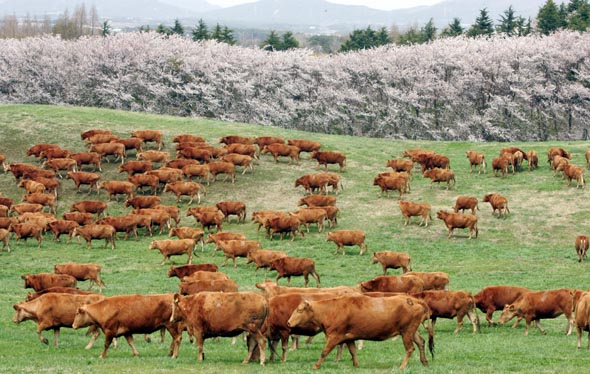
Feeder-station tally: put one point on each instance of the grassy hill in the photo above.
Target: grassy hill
(532, 247)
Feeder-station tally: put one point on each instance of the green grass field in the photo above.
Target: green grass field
(533, 247)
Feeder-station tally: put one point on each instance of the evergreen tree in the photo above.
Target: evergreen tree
(144, 28)
(453, 29)
(483, 25)
(163, 29)
(365, 39)
(227, 36)
(272, 42)
(201, 32)
(412, 36)
(382, 37)
(325, 42)
(428, 31)
(177, 28)
(508, 22)
(579, 15)
(548, 18)
(288, 42)
(523, 27)
(217, 33)
(105, 29)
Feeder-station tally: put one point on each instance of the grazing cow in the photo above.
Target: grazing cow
(331, 214)
(44, 199)
(312, 182)
(27, 230)
(4, 237)
(500, 164)
(329, 157)
(247, 312)
(90, 206)
(201, 171)
(393, 283)
(210, 219)
(186, 270)
(466, 202)
(62, 226)
(174, 247)
(400, 164)
(81, 272)
(232, 139)
(263, 257)
(283, 150)
(432, 161)
(141, 202)
(392, 260)
(458, 221)
(180, 188)
(533, 159)
(347, 238)
(413, 209)
(305, 145)
(183, 138)
(42, 281)
(317, 201)
(126, 224)
(349, 318)
(114, 188)
(498, 202)
(493, 298)
(537, 305)
(583, 318)
(440, 175)
(136, 167)
(582, 243)
(126, 315)
(283, 224)
(311, 215)
(87, 158)
(211, 285)
(53, 311)
(293, 266)
(477, 159)
(552, 152)
(110, 149)
(154, 156)
(188, 233)
(236, 248)
(31, 186)
(83, 177)
(96, 231)
(436, 280)
(575, 172)
(88, 133)
(149, 136)
(389, 183)
(263, 141)
(222, 167)
(244, 161)
(242, 149)
(236, 208)
(450, 304)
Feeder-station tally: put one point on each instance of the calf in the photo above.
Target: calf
(450, 304)
(186, 270)
(440, 175)
(498, 202)
(96, 231)
(436, 280)
(43, 281)
(393, 283)
(537, 305)
(81, 272)
(459, 221)
(174, 248)
(347, 238)
(492, 298)
(211, 285)
(83, 177)
(500, 164)
(263, 257)
(294, 266)
(236, 208)
(236, 248)
(329, 157)
(466, 202)
(349, 318)
(392, 260)
(413, 209)
(477, 159)
(582, 244)
(200, 313)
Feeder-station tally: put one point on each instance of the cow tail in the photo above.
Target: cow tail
(428, 326)
(204, 190)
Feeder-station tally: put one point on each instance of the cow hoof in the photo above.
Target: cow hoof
(45, 341)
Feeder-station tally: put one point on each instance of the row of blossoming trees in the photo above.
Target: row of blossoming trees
(497, 88)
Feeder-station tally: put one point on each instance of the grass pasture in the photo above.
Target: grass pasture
(533, 247)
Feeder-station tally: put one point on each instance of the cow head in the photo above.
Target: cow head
(82, 318)
(22, 314)
(441, 214)
(302, 315)
(509, 312)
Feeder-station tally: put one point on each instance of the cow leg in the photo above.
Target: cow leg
(317, 278)
(352, 350)
(570, 325)
(95, 333)
(420, 342)
(538, 323)
(408, 340)
(459, 323)
(474, 319)
(579, 341)
(56, 337)
(108, 338)
(129, 339)
(330, 344)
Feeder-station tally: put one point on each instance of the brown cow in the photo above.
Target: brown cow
(466, 202)
(242, 149)
(210, 219)
(201, 171)
(436, 280)
(393, 283)
(432, 161)
(459, 221)
(477, 159)
(349, 318)
(136, 167)
(498, 202)
(236, 208)
(174, 247)
(4, 237)
(126, 315)
(114, 188)
(389, 183)
(211, 285)
(331, 214)
(400, 164)
(179, 163)
(329, 157)
(27, 230)
(44, 199)
(263, 141)
(36, 149)
(22, 208)
(270, 289)
(537, 305)
(180, 188)
(236, 248)
(312, 182)
(53, 311)
(126, 224)
(90, 206)
(70, 290)
(552, 152)
(110, 149)
(84, 177)
(347, 238)
(188, 233)
(88, 133)
(231, 139)
(583, 318)
(582, 243)
(57, 164)
(305, 145)
(317, 201)
(87, 158)
(149, 136)
(571, 171)
(533, 159)
(283, 150)
(201, 275)
(154, 156)
(145, 180)
(440, 175)
(192, 153)
(186, 270)
(183, 138)
(283, 224)
(222, 167)
(96, 231)
(54, 153)
(31, 186)
(261, 217)
(172, 210)
(413, 209)
(311, 215)
(51, 184)
(41, 281)
(492, 298)
(263, 257)
(200, 313)
(141, 202)
(450, 304)
(100, 138)
(81, 272)
(215, 238)
(500, 164)
(62, 226)
(81, 218)
(244, 161)
(294, 266)
(130, 143)
(392, 260)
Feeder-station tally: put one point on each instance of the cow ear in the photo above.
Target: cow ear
(23, 276)
(16, 307)
(510, 307)
(306, 304)
(176, 298)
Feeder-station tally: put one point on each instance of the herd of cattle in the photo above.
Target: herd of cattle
(208, 303)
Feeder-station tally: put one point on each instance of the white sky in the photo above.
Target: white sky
(377, 4)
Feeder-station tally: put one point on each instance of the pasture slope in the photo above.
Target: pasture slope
(533, 247)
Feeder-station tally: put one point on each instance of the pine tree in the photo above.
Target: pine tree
(411, 36)
(178, 28)
(288, 42)
(428, 31)
(365, 39)
(163, 29)
(548, 18)
(453, 29)
(272, 42)
(217, 33)
(579, 15)
(227, 36)
(105, 29)
(201, 32)
(483, 25)
(508, 22)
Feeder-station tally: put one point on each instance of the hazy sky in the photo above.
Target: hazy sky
(378, 4)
